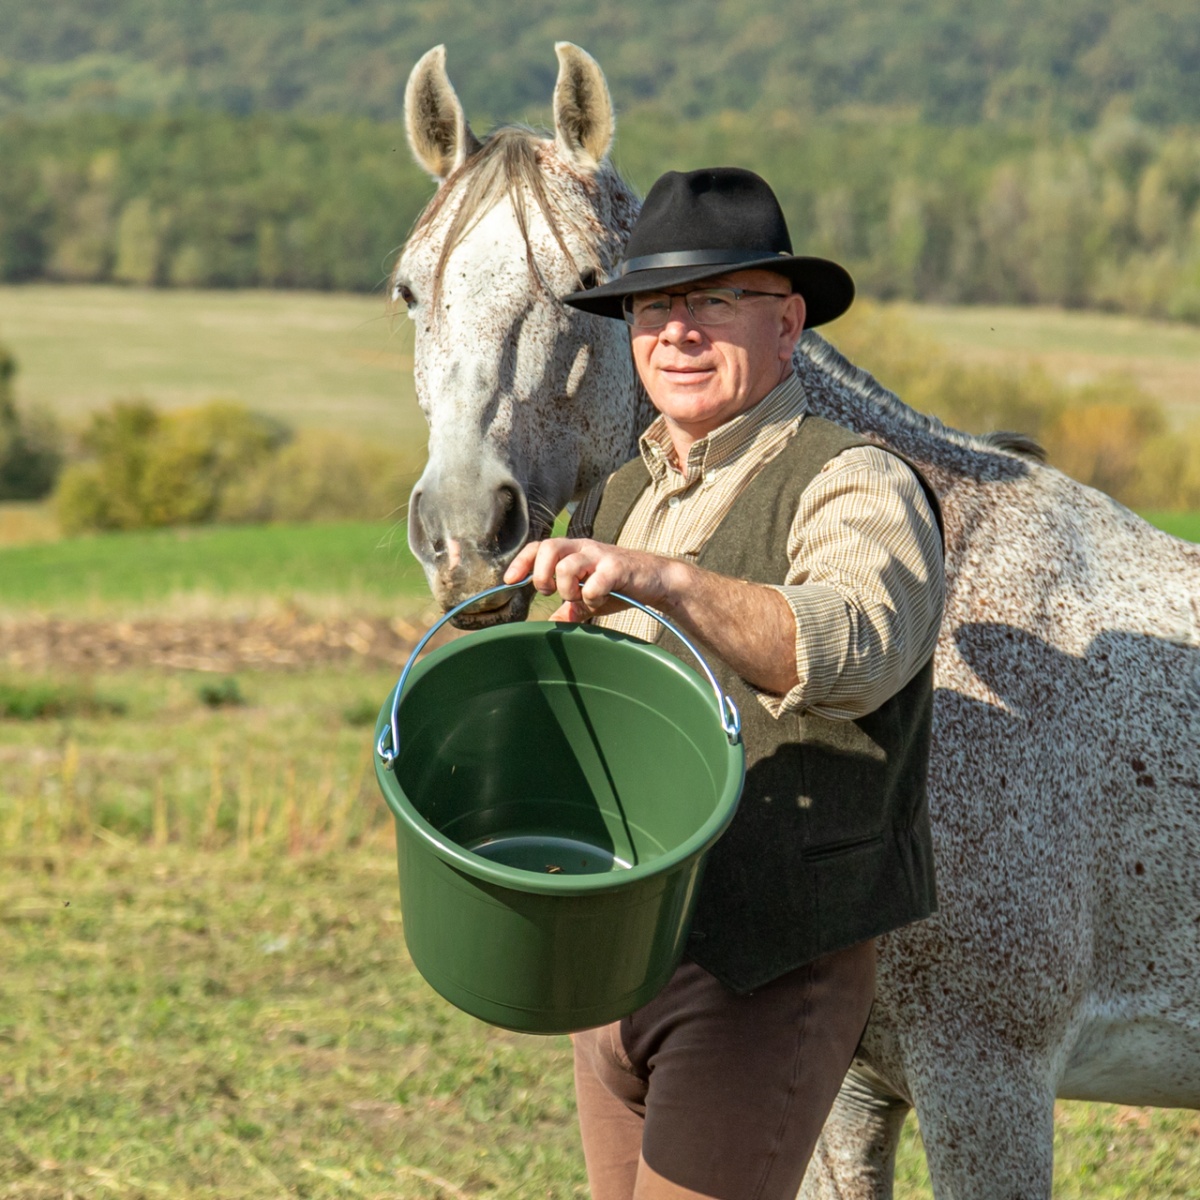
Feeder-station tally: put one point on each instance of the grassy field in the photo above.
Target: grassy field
(340, 566)
(197, 1024)
(350, 565)
(1073, 347)
(340, 361)
(180, 1021)
(330, 360)
(1182, 525)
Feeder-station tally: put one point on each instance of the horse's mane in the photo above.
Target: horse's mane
(866, 387)
(510, 163)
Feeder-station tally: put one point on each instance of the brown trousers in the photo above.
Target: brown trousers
(721, 1093)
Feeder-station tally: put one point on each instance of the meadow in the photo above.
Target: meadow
(359, 566)
(343, 362)
(1074, 348)
(310, 358)
(205, 988)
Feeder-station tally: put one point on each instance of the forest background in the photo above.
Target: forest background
(946, 150)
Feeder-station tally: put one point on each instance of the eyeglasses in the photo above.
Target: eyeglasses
(707, 306)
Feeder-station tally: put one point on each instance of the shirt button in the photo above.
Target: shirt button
(673, 502)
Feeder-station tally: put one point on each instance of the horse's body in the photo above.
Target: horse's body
(1065, 778)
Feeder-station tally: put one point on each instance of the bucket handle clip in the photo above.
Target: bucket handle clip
(388, 747)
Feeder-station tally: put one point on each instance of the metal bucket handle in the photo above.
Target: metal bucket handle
(731, 719)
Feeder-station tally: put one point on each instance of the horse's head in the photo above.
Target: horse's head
(528, 401)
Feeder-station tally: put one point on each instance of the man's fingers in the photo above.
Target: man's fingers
(581, 571)
(545, 566)
(573, 571)
(523, 563)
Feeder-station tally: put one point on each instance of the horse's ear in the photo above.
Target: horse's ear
(583, 111)
(438, 132)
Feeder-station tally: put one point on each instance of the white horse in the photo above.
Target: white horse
(1065, 779)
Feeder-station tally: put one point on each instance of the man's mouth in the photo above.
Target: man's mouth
(688, 374)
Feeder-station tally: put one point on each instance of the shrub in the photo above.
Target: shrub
(198, 455)
(1101, 443)
(320, 476)
(145, 469)
(220, 462)
(30, 443)
(223, 694)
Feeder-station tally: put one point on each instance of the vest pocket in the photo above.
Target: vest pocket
(828, 850)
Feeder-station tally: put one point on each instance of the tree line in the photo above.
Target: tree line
(946, 61)
(1106, 219)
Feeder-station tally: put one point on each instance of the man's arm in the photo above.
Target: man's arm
(864, 592)
(866, 585)
(748, 626)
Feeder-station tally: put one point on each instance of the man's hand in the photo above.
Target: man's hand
(749, 626)
(585, 573)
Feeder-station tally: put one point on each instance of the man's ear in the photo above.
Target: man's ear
(791, 324)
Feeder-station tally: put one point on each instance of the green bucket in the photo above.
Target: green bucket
(555, 790)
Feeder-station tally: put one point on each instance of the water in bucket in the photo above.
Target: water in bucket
(548, 853)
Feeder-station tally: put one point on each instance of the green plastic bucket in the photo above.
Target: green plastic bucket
(555, 790)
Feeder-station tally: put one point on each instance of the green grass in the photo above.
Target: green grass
(42, 700)
(187, 1024)
(196, 1025)
(323, 359)
(205, 988)
(1182, 525)
(357, 564)
(346, 565)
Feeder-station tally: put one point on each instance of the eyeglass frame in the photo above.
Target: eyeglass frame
(738, 293)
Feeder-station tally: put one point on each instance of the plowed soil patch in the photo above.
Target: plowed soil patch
(288, 641)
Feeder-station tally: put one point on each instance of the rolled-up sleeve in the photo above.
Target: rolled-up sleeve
(866, 585)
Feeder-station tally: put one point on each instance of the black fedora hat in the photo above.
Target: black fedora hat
(697, 224)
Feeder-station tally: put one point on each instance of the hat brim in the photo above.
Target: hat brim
(826, 287)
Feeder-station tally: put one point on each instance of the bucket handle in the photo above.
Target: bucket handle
(731, 719)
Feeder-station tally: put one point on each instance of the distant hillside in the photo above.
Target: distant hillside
(945, 61)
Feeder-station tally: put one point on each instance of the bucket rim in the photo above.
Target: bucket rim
(515, 878)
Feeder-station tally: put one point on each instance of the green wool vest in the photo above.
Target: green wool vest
(831, 842)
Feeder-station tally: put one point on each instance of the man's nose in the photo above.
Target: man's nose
(680, 322)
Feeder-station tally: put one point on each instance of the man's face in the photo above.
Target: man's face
(700, 377)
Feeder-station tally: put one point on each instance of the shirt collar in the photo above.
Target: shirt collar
(785, 403)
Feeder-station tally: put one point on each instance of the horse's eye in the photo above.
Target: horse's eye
(587, 279)
(401, 291)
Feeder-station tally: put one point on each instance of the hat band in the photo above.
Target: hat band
(697, 258)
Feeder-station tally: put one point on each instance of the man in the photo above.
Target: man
(809, 563)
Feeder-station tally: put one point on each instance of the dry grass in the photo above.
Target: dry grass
(1074, 348)
(27, 523)
(320, 359)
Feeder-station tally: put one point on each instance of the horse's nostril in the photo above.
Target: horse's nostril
(512, 523)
